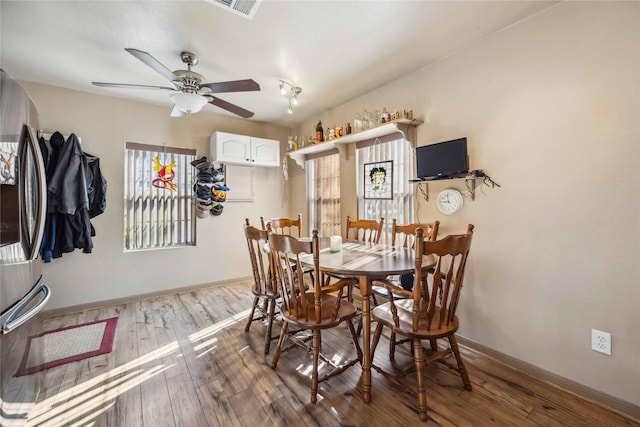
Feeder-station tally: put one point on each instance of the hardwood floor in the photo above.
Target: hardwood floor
(185, 360)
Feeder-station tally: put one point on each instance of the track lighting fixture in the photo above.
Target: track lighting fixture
(293, 91)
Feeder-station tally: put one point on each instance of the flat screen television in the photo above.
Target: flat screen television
(442, 160)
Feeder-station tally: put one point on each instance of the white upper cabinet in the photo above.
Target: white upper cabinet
(244, 150)
(265, 152)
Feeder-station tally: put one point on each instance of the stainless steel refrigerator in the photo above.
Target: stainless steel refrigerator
(23, 292)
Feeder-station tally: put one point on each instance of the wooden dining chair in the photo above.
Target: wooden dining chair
(265, 291)
(364, 230)
(428, 312)
(290, 226)
(313, 309)
(403, 236)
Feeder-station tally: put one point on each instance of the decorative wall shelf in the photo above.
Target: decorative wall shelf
(471, 181)
(400, 126)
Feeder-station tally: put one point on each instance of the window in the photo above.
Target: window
(323, 195)
(158, 207)
(400, 206)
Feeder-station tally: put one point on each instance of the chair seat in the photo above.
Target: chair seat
(382, 314)
(329, 302)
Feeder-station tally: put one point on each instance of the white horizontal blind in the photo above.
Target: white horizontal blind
(158, 207)
(323, 194)
(400, 207)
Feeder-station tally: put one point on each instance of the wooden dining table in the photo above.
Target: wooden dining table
(367, 262)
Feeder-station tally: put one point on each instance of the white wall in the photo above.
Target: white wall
(551, 109)
(105, 124)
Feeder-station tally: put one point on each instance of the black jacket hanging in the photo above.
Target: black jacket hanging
(75, 186)
(97, 189)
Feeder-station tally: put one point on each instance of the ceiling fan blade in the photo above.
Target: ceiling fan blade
(230, 107)
(128, 86)
(153, 63)
(176, 112)
(233, 86)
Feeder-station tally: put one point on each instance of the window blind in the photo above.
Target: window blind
(158, 207)
(323, 194)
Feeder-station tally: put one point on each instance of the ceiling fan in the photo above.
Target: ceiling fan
(190, 90)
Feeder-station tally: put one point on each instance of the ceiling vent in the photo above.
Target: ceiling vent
(246, 8)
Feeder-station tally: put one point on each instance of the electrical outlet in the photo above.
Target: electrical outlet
(601, 341)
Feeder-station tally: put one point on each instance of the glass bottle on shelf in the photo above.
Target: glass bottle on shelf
(357, 123)
(290, 143)
(348, 128)
(319, 132)
(365, 120)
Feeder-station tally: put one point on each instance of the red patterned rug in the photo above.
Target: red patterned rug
(65, 345)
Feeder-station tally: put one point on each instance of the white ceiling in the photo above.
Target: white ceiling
(334, 50)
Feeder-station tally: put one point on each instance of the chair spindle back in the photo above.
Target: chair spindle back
(290, 226)
(297, 301)
(435, 300)
(260, 265)
(404, 235)
(364, 230)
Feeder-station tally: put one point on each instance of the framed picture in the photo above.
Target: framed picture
(378, 180)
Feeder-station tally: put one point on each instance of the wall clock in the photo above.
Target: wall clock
(450, 201)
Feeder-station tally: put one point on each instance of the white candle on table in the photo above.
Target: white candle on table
(335, 243)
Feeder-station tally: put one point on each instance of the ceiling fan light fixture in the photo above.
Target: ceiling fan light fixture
(188, 102)
(294, 100)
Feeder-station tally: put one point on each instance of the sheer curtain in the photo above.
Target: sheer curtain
(323, 195)
(401, 152)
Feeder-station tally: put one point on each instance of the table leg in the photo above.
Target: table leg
(365, 289)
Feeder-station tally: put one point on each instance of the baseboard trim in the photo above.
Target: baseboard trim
(623, 407)
(133, 298)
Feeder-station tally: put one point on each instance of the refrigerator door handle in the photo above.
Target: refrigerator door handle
(14, 319)
(42, 192)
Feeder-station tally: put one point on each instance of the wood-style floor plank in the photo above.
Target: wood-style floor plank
(128, 407)
(155, 388)
(185, 360)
